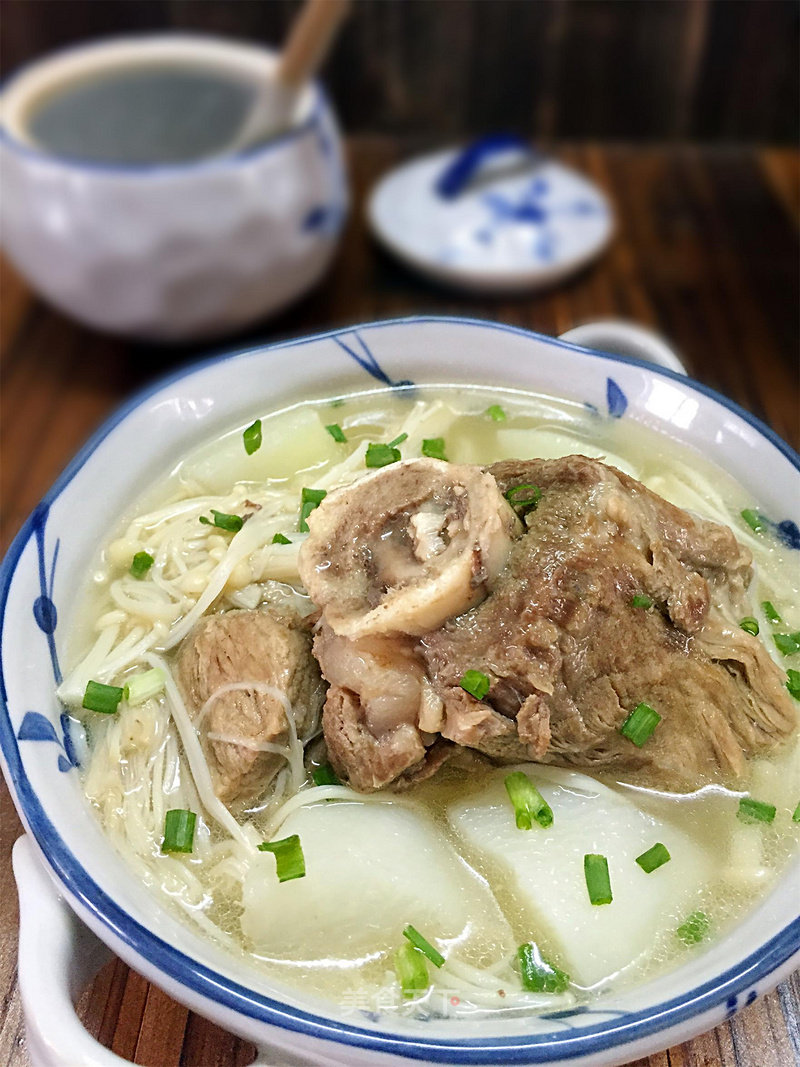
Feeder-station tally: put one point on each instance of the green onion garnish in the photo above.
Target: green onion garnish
(642, 600)
(102, 698)
(694, 929)
(750, 625)
(529, 804)
(336, 432)
(538, 974)
(425, 947)
(755, 520)
(381, 455)
(525, 496)
(289, 860)
(769, 610)
(325, 775)
(796, 814)
(141, 564)
(178, 831)
(433, 448)
(231, 523)
(398, 440)
(143, 686)
(309, 500)
(476, 683)
(654, 858)
(755, 810)
(788, 644)
(409, 963)
(496, 412)
(279, 539)
(793, 683)
(640, 724)
(598, 882)
(252, 438)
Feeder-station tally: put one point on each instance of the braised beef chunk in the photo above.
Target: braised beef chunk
(231, 650)
(567, 651)
(569, 656)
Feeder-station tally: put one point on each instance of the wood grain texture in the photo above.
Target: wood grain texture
(710, 69)
(707, 253)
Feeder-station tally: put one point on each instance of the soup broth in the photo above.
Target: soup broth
(142, 115)
(443, 856)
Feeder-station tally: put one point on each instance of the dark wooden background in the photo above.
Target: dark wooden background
(707, 253)
(719, 70)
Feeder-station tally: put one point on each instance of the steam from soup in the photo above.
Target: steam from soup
(444, 857)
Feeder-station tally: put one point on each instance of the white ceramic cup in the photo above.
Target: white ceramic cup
(178, 251)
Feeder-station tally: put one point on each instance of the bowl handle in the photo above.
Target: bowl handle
(626, 339)
(58, 957)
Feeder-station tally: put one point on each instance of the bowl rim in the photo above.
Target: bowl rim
(320, 103)
(571, 1043)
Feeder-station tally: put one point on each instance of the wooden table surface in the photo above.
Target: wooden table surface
(707, 252)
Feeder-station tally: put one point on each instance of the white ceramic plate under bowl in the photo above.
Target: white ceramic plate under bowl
(48, 562)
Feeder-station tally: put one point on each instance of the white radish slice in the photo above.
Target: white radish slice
(371, 868)
(543, 868)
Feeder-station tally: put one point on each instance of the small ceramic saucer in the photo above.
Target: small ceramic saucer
(493, 217)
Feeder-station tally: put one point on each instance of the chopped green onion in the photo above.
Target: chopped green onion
(398, 440)
(337, 433)
(641, 600)
(538, 974)
(381, 455)
(143, 686)
(755, 520)
(525, 496)
(529, 804)
(640, 724)
(750, 625)
(598, 881)
(433, 448)
(289, 860)
(654, 858)
(409, 963)
(694, 929)
(788, 644)
(793, 683)
(178, 831)
(280, 539)
(325, 775)
(425, 947)
(231, 523)
(141, 564)
(769, 610)
(252, 438)
(309, 500)
(755, 810)
(476, 683)
(796, 814)
(102, 698)
(496, 412)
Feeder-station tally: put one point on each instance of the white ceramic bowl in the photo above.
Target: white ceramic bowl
(179, 251)
(48, 562)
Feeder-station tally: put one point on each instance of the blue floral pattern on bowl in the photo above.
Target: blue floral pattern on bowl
(35, 726)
